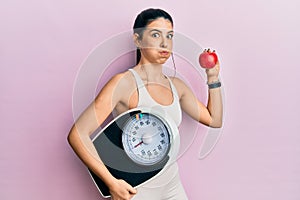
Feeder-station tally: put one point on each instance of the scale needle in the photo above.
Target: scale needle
(141, 142)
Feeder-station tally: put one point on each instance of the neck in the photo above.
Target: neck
(153, 72)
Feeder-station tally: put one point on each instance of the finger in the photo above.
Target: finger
(132, 190)
(129, 188)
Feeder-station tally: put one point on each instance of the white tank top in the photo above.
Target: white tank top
(145, 99)
(173, 110)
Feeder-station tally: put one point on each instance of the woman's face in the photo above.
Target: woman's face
(157, 41)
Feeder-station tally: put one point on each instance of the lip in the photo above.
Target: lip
(164, 53)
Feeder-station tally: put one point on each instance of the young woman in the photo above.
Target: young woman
(146, 85)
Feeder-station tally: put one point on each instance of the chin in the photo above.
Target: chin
(162, 60)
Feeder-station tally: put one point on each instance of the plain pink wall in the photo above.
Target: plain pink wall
(43, 44)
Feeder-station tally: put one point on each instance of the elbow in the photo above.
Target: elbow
(216, 123)
(70, 137)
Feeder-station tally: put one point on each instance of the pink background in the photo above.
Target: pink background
(43, 44)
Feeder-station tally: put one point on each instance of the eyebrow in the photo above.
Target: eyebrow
(161, 31)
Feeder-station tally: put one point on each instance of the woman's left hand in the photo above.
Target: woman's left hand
(213, 73)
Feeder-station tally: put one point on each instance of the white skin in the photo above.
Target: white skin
(156, 45)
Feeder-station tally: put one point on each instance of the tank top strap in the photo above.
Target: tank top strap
(138, 80)
(142, 90)
(173, 88)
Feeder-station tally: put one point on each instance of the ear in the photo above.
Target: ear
(137, 40)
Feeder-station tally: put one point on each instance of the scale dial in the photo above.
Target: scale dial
(146, 139)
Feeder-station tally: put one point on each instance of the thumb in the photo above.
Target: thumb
(131, 190)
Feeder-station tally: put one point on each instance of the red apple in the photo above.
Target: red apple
(208, 59)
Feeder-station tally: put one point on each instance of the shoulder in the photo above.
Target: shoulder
(121, 85)
(180, 85)
(177, 81)
(123, 79)
(117, 87)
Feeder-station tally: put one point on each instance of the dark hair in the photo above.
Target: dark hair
(143, 19)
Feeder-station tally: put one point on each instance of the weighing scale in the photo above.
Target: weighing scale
(136, 146)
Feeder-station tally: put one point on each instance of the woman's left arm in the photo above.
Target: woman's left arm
(214, 105)
(210, 115)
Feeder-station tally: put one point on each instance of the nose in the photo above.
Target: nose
(163, 43)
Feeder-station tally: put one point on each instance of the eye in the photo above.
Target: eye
(155, 35)
(170, 36)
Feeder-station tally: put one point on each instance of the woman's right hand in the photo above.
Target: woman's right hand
(121, 190)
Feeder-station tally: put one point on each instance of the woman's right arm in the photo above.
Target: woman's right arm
(87, 123)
